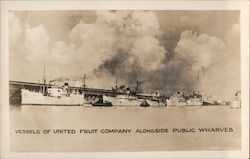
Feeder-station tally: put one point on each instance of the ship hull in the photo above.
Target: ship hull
(37, 98)
(125, 103)
(194, 102)
(102, 105)
(235, 104)
(155, 103)
(176, 103)
(117, 101)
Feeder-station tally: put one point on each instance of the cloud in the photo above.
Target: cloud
(130, 45)
(148, 53)
(145, 23)
(62, 52)
(94, 44)
(37, 43)
(217, 62)
(203, 50)
(15, 29)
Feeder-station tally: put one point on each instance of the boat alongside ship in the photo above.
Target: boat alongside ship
(101, 103)
(153, 99)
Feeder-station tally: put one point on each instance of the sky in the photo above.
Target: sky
(166, 51)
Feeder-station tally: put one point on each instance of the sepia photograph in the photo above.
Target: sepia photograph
(125, 80)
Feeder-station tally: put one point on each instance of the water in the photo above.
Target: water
(78, 117)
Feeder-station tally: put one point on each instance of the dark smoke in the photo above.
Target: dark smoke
(176, 74)
(113, 65)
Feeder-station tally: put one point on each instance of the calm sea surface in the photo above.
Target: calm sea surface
(35, 119)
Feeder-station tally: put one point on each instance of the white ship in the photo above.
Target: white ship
(122, 100)
(54, 95)
(195, 100)
(176, 100)
(236, 103)
(155, 102)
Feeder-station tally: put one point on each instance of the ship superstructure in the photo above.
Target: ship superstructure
(195, 99)
(176, 100)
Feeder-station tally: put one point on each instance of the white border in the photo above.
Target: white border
(243, 6)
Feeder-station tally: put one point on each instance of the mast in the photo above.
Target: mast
(84, 81)
(116, 83)
(44, 80)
